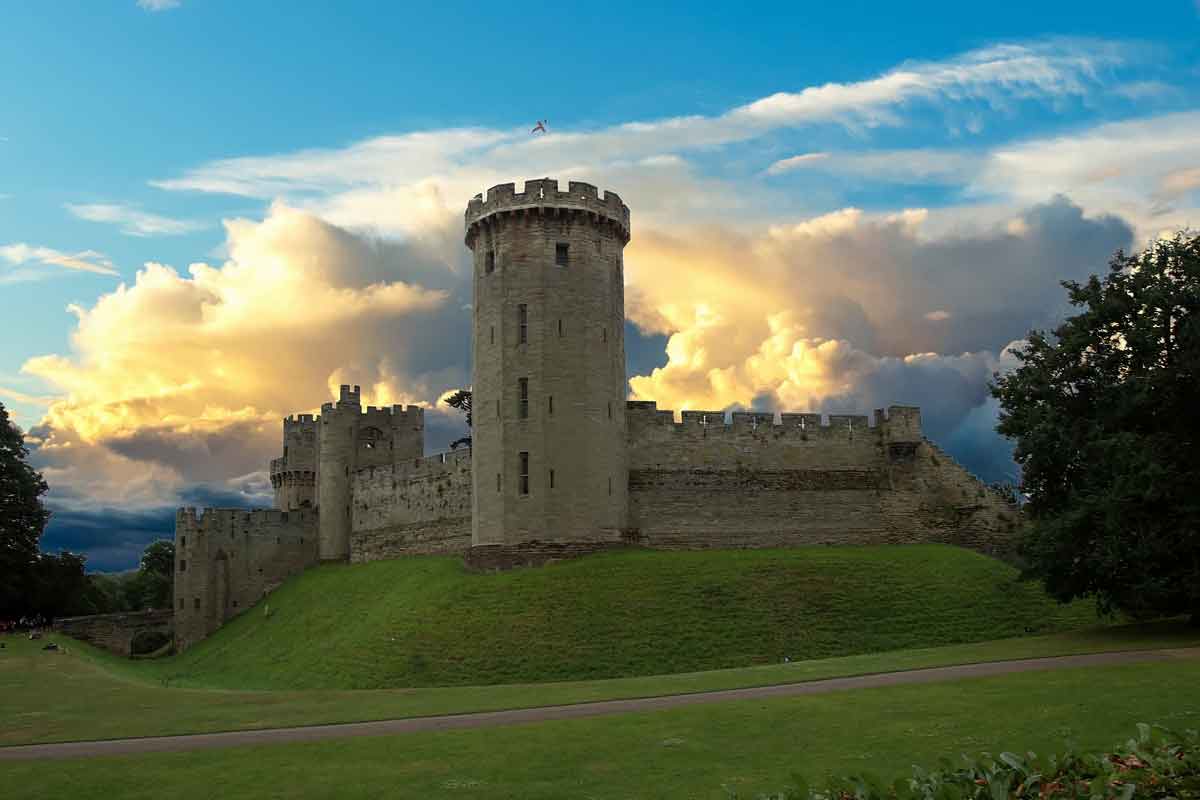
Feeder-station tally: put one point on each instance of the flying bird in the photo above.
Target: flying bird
(541, 126)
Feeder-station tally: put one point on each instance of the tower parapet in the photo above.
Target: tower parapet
(548, 442)
(542, 196)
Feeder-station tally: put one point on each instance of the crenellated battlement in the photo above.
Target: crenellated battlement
(397, 415)
(205, 520)
(897, 424)
(543, 195)
(296, 425)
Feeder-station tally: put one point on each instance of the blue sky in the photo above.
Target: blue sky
(835, 206)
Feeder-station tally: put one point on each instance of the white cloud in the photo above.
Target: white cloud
(158, 5)
(1140, 168)
(795, 162)
(938, 315)
(133, 221)
(930, 165)
(460, 161)
(20, 254)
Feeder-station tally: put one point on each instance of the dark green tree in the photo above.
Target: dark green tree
(59, 587)
(153, 585)
(23, 517)
(1105, 413)
(462, 401)
(159, 557)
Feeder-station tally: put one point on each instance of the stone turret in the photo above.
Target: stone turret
(294, 474)
(348, 440)
(548, 444)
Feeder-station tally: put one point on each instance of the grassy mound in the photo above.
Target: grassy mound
(426, 621)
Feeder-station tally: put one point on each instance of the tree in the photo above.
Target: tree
(159, 557)
(22, 518)
(1104, 413)
(153, 585)
(60, 586)
(462, 401)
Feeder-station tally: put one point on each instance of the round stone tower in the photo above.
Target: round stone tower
(548, 445)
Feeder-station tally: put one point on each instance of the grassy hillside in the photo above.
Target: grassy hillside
(425, 621)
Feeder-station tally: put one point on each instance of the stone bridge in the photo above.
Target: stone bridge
(115, 632)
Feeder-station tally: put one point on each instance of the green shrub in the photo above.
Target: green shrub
(1156, 764)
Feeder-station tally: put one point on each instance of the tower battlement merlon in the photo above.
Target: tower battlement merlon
(395, 415)
(542, 194)
(349, 396)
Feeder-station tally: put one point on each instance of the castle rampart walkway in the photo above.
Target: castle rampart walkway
(488, 719)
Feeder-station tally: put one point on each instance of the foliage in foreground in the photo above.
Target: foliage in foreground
(1103, 412)
(23, 517)
(1156, 764)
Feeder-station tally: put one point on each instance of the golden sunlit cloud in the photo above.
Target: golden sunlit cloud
(191, 372)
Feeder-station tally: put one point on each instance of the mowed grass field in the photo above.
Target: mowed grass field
(81, 693)
(427, 622)
(723, 750)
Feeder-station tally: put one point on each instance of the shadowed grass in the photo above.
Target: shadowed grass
(701, 752)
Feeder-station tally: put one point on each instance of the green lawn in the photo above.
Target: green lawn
(87, 694)
(427, 622)
(699, 752)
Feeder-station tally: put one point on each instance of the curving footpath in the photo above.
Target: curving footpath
(488, 719)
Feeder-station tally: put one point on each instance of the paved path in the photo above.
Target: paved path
(488, 719)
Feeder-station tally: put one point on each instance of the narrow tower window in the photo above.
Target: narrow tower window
(523, 397)
(497, 481)
(492, 335)
(604, 334)
(524, 472)
(561, 251)
(551, 479)
(610, 409)
(183, 565)
(523, 323)
(610, 484)
(490, 262)
(551, 399)
(560, 328)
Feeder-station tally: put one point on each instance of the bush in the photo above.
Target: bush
(1155, 764)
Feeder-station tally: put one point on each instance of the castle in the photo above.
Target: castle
(560, 463)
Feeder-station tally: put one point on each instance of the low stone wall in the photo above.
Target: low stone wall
(115, 632)
(494, 557)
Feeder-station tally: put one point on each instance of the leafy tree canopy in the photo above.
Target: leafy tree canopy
(1104, 413)
(23, 517)
(159, 558)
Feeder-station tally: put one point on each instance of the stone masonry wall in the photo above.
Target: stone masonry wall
(755, 482)
(115, 632)
(226, 560)
(418, 506)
